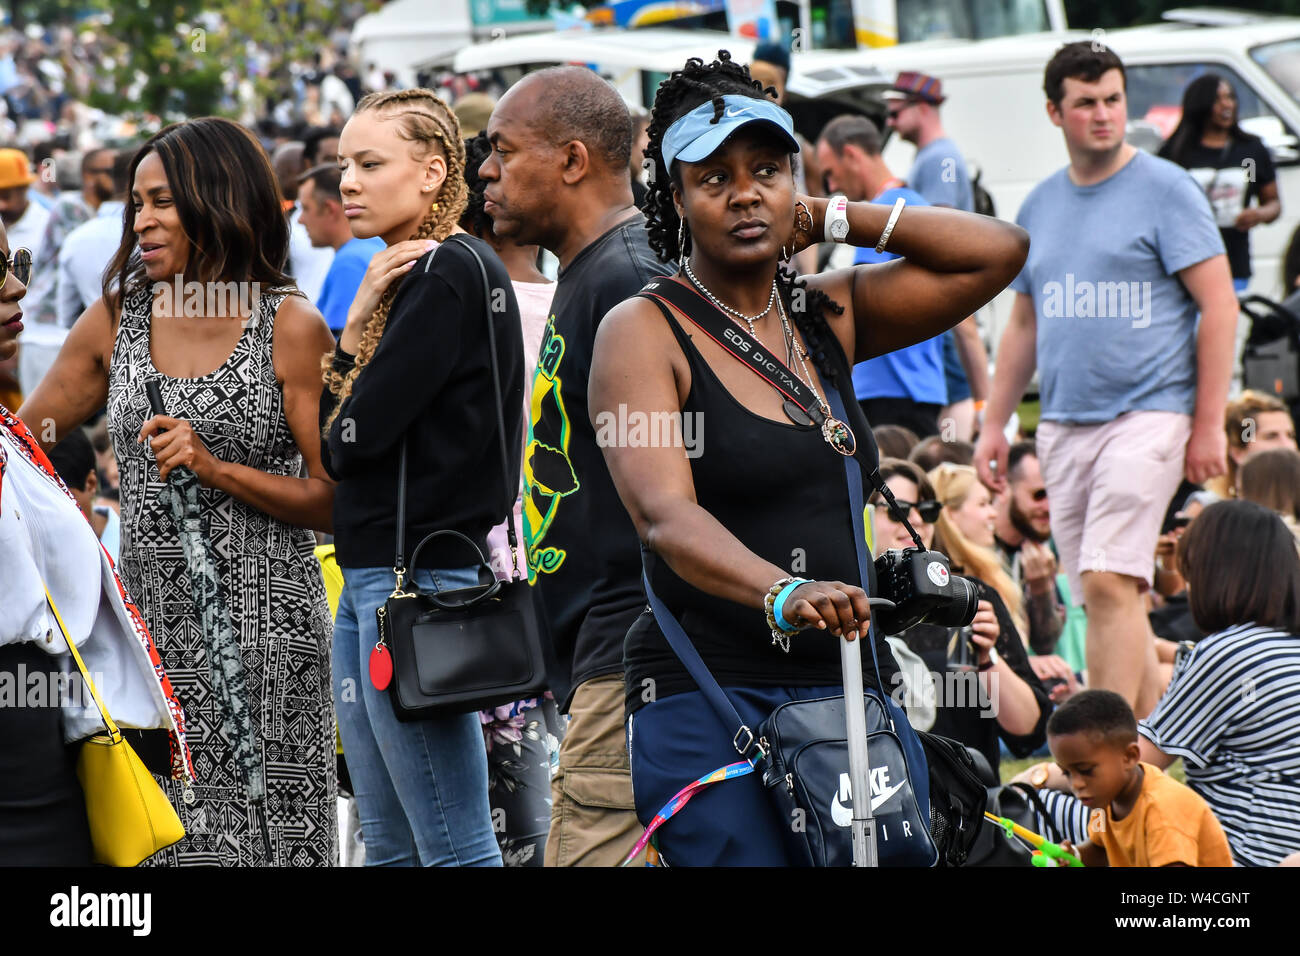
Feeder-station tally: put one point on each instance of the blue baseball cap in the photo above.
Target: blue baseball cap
(695, 136)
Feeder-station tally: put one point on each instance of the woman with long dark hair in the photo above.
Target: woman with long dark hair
(1232, 166)
(196, 299)
(763, 488)
(413, 368)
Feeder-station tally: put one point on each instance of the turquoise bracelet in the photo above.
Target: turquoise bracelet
(779, 604)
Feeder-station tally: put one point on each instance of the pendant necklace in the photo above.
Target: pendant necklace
(835, 432)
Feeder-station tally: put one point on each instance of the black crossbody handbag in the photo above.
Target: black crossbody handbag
(801, 748)
(472, 648)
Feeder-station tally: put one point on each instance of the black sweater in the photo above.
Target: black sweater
(430, 380)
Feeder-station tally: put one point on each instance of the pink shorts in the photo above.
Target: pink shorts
(1108, 487)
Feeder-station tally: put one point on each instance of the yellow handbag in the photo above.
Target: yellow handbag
(130, 816)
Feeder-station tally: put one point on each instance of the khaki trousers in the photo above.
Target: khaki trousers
(593, 818)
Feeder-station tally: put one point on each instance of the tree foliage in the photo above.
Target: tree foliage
(186, 57)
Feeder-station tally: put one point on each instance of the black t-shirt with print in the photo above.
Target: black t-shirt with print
(584, 556)
(1232, 178)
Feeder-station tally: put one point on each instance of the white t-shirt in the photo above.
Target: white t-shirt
(1226, 189)
(307, 264)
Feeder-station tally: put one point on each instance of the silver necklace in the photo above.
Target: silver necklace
(747, 319)
(835, 432)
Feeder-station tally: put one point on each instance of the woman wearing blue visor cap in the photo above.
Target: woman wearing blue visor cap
(744, 511)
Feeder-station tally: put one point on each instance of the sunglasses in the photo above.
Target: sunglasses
(1039, 495)
(20, 265)
(907, 104)
(927, 510)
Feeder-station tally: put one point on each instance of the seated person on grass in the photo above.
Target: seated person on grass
(1149, 819)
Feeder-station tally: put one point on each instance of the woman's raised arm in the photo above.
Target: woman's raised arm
(952, 263)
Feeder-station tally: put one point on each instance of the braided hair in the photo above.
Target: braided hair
(686, 89)
(424, 119)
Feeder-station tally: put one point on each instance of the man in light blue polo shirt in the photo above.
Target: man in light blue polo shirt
(322, 217)
(1126, 307)
(905, 387)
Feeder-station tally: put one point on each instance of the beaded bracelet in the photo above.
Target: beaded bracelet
(780, 635)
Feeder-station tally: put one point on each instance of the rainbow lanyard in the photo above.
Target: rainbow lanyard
(683, 796)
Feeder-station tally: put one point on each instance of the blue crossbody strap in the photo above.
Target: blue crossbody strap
(744, 739)
(918, 766)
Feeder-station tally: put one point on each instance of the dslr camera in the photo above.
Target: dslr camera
(923, 588)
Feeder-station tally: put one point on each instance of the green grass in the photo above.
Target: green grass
(1010, 768)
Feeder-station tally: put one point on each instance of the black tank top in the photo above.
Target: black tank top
(781, 490)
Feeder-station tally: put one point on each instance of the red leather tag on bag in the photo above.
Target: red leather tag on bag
(381, 667)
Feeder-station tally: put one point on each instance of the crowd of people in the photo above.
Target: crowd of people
(330, 360)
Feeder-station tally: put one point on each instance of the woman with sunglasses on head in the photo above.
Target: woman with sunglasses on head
(988, 652)
(413, 370)
(46, 544)
(765, 490)
(196, 299)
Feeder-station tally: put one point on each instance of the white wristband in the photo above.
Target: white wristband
(836, 222)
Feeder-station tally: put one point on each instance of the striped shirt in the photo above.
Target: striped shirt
(1232, 712)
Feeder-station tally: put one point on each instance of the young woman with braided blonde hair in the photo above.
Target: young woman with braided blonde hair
(413, 364)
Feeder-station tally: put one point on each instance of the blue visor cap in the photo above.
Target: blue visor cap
(695, 136)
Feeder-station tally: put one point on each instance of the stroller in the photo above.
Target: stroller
(1271, 358)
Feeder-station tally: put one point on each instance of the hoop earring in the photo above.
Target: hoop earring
(681, 241)
(785, 256)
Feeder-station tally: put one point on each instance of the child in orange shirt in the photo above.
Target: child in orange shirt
(1150, 819)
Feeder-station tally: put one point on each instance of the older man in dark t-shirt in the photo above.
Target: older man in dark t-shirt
(558, 177)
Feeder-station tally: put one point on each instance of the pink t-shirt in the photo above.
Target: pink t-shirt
(534, 300)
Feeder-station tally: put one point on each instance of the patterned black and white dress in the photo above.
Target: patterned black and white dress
(272, 585)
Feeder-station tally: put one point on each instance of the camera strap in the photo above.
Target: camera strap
(754, 355)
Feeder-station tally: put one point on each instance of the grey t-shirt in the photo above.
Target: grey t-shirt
(939, 174)
(1116, 328)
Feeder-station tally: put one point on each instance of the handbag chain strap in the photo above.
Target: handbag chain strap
(399, 560)
(81, 666)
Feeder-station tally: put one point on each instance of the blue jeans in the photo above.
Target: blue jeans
(421, 787)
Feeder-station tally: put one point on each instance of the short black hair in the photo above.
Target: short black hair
(1018, 453)
(852, 128)
(474, 219)
(1085, 60)
(773, 53)
(1241, 565)
(88, 158)
(73, 458)
(1100, 713)
(579, 105)
(325, 180)
(311, 144)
